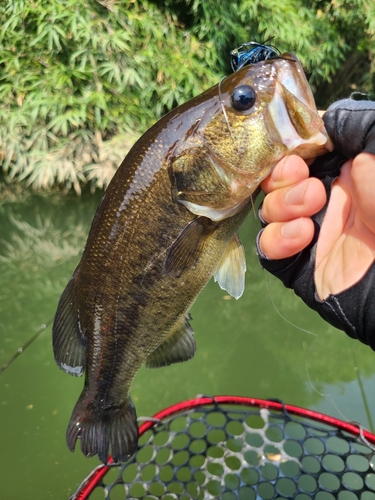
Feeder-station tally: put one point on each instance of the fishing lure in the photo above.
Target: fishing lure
(252, 53)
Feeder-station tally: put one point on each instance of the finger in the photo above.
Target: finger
(282, 240)
(303, 199)
(289, 170)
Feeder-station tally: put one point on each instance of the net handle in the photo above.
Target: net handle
(88, 485)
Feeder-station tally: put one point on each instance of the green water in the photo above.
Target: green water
(244, 348)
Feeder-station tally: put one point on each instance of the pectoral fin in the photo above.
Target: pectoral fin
(232, 267)
(179, 346)
(68, 342)
(188, 246)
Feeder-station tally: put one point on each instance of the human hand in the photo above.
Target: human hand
(346, 243)
(326, 251)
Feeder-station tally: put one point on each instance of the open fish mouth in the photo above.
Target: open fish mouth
(293, 110)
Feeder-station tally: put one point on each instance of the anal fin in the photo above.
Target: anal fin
(179, 346)
(230, 274)
(68, 342)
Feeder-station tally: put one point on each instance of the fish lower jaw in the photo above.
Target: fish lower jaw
(317, 145)
(308, 148)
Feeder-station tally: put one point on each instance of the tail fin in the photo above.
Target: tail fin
(102, 431)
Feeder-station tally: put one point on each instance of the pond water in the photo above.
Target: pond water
(268, 344)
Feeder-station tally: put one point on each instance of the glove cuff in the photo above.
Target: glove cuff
(353, 310)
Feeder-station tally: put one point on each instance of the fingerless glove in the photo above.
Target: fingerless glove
(351, 126)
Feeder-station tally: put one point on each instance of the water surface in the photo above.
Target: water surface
(268, 344)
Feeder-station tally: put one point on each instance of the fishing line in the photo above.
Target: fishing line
(328, 395)
(22, 348)
(266, 278)
(279, 313)
(321, 394)
(363, 392)
(225, 115)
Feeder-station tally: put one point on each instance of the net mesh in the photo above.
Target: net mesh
(228, 452)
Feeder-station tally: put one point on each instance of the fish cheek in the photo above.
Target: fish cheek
(265, 148)
(250, 144)
(198, 179)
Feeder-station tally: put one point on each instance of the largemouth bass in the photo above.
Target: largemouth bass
(167, 223)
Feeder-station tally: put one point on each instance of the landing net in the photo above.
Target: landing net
(241, 448)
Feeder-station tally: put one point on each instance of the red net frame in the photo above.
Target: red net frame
(352, 429)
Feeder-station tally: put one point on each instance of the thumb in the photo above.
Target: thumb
(363, 179)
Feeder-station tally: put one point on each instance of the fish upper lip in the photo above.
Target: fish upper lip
(291, 76)
(284, 122)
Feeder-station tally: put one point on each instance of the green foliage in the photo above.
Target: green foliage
(71, 69)
(324, 34)
(76, 74)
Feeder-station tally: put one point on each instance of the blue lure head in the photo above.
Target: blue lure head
(252, 53)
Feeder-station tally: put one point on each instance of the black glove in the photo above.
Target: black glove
(351, 126)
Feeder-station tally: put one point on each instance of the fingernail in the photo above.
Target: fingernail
(292, 229)
(277, 173)
(296, 194)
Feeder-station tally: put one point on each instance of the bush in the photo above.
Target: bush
(81, 79)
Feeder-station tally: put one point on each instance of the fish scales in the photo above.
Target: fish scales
(167, 223)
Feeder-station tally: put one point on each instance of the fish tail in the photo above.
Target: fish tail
(101, 431)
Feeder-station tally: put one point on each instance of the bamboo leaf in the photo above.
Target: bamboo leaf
(67, 67)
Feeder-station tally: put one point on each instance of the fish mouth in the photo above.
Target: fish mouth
(294, 113)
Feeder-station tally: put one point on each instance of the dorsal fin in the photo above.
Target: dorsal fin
(177, 347)
(67, 339)
(230, 274)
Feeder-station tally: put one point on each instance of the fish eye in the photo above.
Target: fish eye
(243, 97)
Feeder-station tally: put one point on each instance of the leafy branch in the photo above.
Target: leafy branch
(73, 69)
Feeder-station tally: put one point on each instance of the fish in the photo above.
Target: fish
(167, 223)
